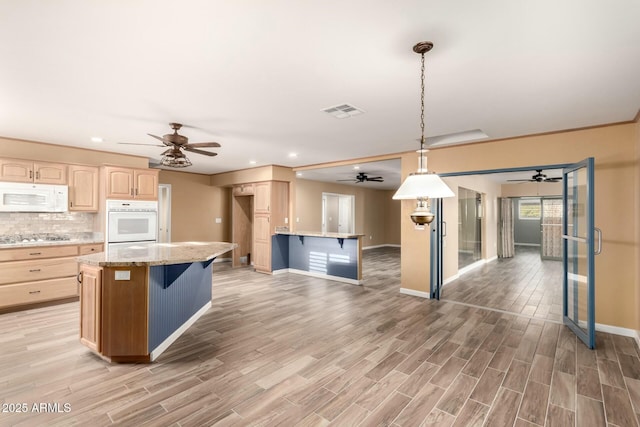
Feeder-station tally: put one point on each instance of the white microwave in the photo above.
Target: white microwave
(22, 197)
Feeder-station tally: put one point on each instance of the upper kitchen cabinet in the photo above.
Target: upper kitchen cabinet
(29, 171)
(83, 188)
(127, 183)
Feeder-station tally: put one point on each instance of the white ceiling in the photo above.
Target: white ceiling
(254, 75)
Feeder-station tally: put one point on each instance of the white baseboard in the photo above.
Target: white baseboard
(493, 258)
(386, 245)
(318, 275)
(535, 245)
(450, 279)
(415, 293)
(176, 334)
(617, 330)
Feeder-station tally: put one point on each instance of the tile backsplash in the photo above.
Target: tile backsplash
(53, 223)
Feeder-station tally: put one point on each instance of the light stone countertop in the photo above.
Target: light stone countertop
(147, 254)
(320, 234)
(88, 241)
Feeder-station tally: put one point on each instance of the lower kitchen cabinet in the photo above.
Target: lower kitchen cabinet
(91, 306)
(36, 274)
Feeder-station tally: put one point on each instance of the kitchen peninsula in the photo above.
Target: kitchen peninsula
(334, 256)
(135, 300)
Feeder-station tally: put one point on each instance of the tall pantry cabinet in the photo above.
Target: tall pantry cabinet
(270, 200)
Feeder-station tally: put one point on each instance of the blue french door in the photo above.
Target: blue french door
(578, 232)
(437, 233)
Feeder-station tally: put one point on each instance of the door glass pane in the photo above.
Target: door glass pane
(469, 227)
(577, 248)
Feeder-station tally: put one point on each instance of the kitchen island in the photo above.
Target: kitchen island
(135, 300)
(334, 256)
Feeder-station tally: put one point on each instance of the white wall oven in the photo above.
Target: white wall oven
(131, 221)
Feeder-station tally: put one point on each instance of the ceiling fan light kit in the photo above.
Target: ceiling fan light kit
(174, 157)
(422, 185)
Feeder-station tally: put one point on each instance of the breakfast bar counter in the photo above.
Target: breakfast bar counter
(135, 300)
(334, 256)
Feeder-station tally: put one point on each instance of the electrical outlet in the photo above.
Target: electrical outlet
(218, 220)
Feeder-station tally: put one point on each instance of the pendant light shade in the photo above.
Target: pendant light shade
(422, 185)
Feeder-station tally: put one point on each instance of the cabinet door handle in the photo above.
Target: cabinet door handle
(35, 253)
(34, 292)
(37, 175)
(30, 174)
(79, 277)
(35, 270)
(136, 191)
(132, 191)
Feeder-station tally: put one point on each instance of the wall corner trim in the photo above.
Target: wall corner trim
(415, 293)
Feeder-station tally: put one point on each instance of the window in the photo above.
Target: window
(529, 209)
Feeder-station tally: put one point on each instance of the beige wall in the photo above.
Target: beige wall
(370, 212)
(392, 219)
(30, 150)
(616, 188)
(194, 207)
(490, 192)
(525, 189)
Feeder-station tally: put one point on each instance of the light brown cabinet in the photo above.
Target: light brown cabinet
(90, 249)
(243, 190)
(271, 207)
(35, 274)
(83, 188)
(126, 183)
(91, 306)
(29, 171)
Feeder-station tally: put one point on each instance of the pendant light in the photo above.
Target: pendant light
(422, 185)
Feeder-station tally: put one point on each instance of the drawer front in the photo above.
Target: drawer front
(32, 292)
(28, 271)
(91, 249)
(37, 252)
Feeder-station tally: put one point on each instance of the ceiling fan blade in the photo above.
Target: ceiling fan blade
(136, 143)
(203, 144)
(159, 138)
(194, 150)
(351, 180)
(521, 180)
(374, 178)
(554, 179)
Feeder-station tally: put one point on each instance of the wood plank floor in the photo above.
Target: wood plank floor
(523, 284)
(293, 350)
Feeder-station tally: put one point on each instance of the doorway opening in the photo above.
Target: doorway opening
(338, 213)
(507, 252)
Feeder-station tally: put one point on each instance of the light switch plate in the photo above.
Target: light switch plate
(218, 220)
(123, 275)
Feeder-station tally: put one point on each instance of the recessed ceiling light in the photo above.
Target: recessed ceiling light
(356, 167)
(252, 162)
(293, 155)
(299, 174)
(96, 139)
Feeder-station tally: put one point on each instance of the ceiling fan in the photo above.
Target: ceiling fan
(174, 156)
(538, 177)
(362, 177)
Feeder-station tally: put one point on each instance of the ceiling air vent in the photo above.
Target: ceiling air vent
(343, 111)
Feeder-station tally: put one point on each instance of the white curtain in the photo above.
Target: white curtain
(506, 246)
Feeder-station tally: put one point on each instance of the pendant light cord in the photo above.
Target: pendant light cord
(422, 113)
